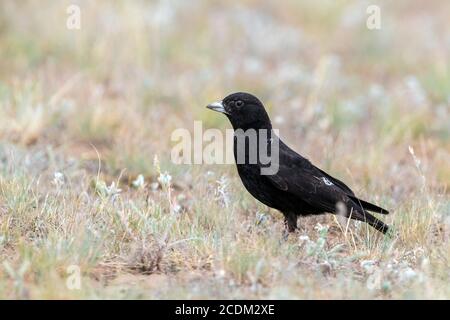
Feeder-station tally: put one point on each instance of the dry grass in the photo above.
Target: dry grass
(82, 109)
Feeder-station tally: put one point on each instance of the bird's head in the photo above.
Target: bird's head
(244, 110)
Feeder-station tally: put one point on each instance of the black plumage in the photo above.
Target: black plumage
(298, 187)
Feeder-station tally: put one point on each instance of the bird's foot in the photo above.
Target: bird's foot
(289, 231)
(290, 222)
(285, 236)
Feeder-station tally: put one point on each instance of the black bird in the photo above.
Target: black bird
(298, 187)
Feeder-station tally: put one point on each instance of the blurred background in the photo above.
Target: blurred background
(370, 106)
(135, 71)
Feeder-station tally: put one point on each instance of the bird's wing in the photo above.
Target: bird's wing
(317, 190)
(337, 182)
(300, 163)
(313, 185)
(366, 205)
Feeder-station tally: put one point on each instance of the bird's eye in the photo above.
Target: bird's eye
(239, 103)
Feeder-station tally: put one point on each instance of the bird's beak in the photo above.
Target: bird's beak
(217, 106)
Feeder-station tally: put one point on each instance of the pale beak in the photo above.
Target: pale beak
(217, 106)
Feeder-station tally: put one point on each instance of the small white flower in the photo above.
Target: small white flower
(407, 274)
(176, 208)
(165, 179)
(304, 238)
(105, 191)
(222, 192)
(278, 120)
(112, 190)
(425, 264)
(139, 183)
(154, 186)
(368, 265)
(221, 273)
(320, 228)
(58, 179)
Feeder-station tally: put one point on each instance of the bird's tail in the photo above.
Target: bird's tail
(372, 221)
(368, 206)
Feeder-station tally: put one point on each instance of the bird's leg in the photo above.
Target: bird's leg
(291, 221)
